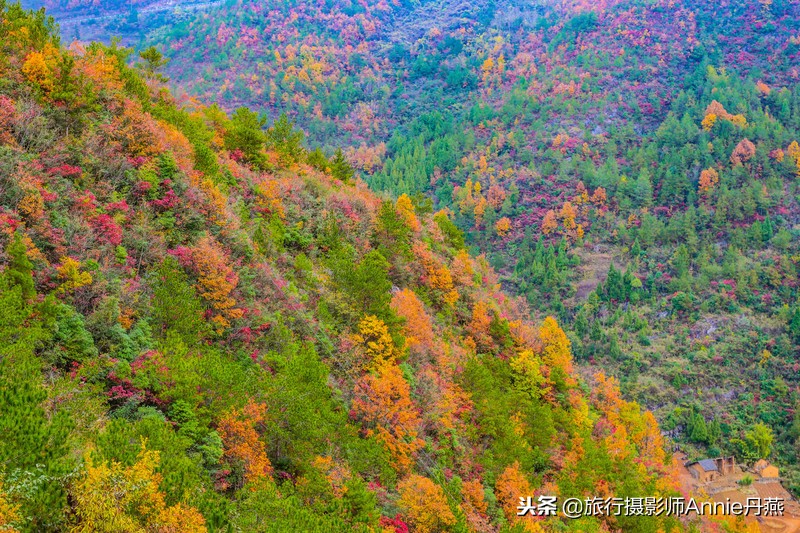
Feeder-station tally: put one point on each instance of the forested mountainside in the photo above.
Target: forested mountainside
(206, 326)
(629, 167)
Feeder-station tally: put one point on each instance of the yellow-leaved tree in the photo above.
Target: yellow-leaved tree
(9, 513)
(556, 352)
(70, 275)
(37, 70)
(424, 503)
(113, 498)
(405, 209)
(528, 376)
(373, 336)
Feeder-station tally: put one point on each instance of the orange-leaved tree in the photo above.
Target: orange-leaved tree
(244, 450)
(417, 327)
(135, 131)
(424, 503)
(567, 215)
(436, 275)
(475, 506)
(510, 487)
(708, 180)
(496, 196)
(503, 226)
(549, 223)
(599, 197)
(383, 403)
(716, 110)
(216, 280)
(743, 152)
(478, 327)
(631, 427)
(461, 269)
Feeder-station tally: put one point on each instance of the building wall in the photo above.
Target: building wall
(770, 472)
(701, 475)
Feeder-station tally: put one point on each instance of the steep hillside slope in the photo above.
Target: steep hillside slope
(207, 327)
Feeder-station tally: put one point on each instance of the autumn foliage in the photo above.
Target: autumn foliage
(9, 513)
(550, 222)
(417, 327)
(743, 152)
(373, 336)
(216, 281)
(244, 449)
(715, 110)
(479, 325)
(71, 277)
(383, 403)
(556, 347)
(113, 497)
(294, 351)
(425, 504)
(406, 210)
(436, 275)
(503, 226)
(708, 180)
(511, 485)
